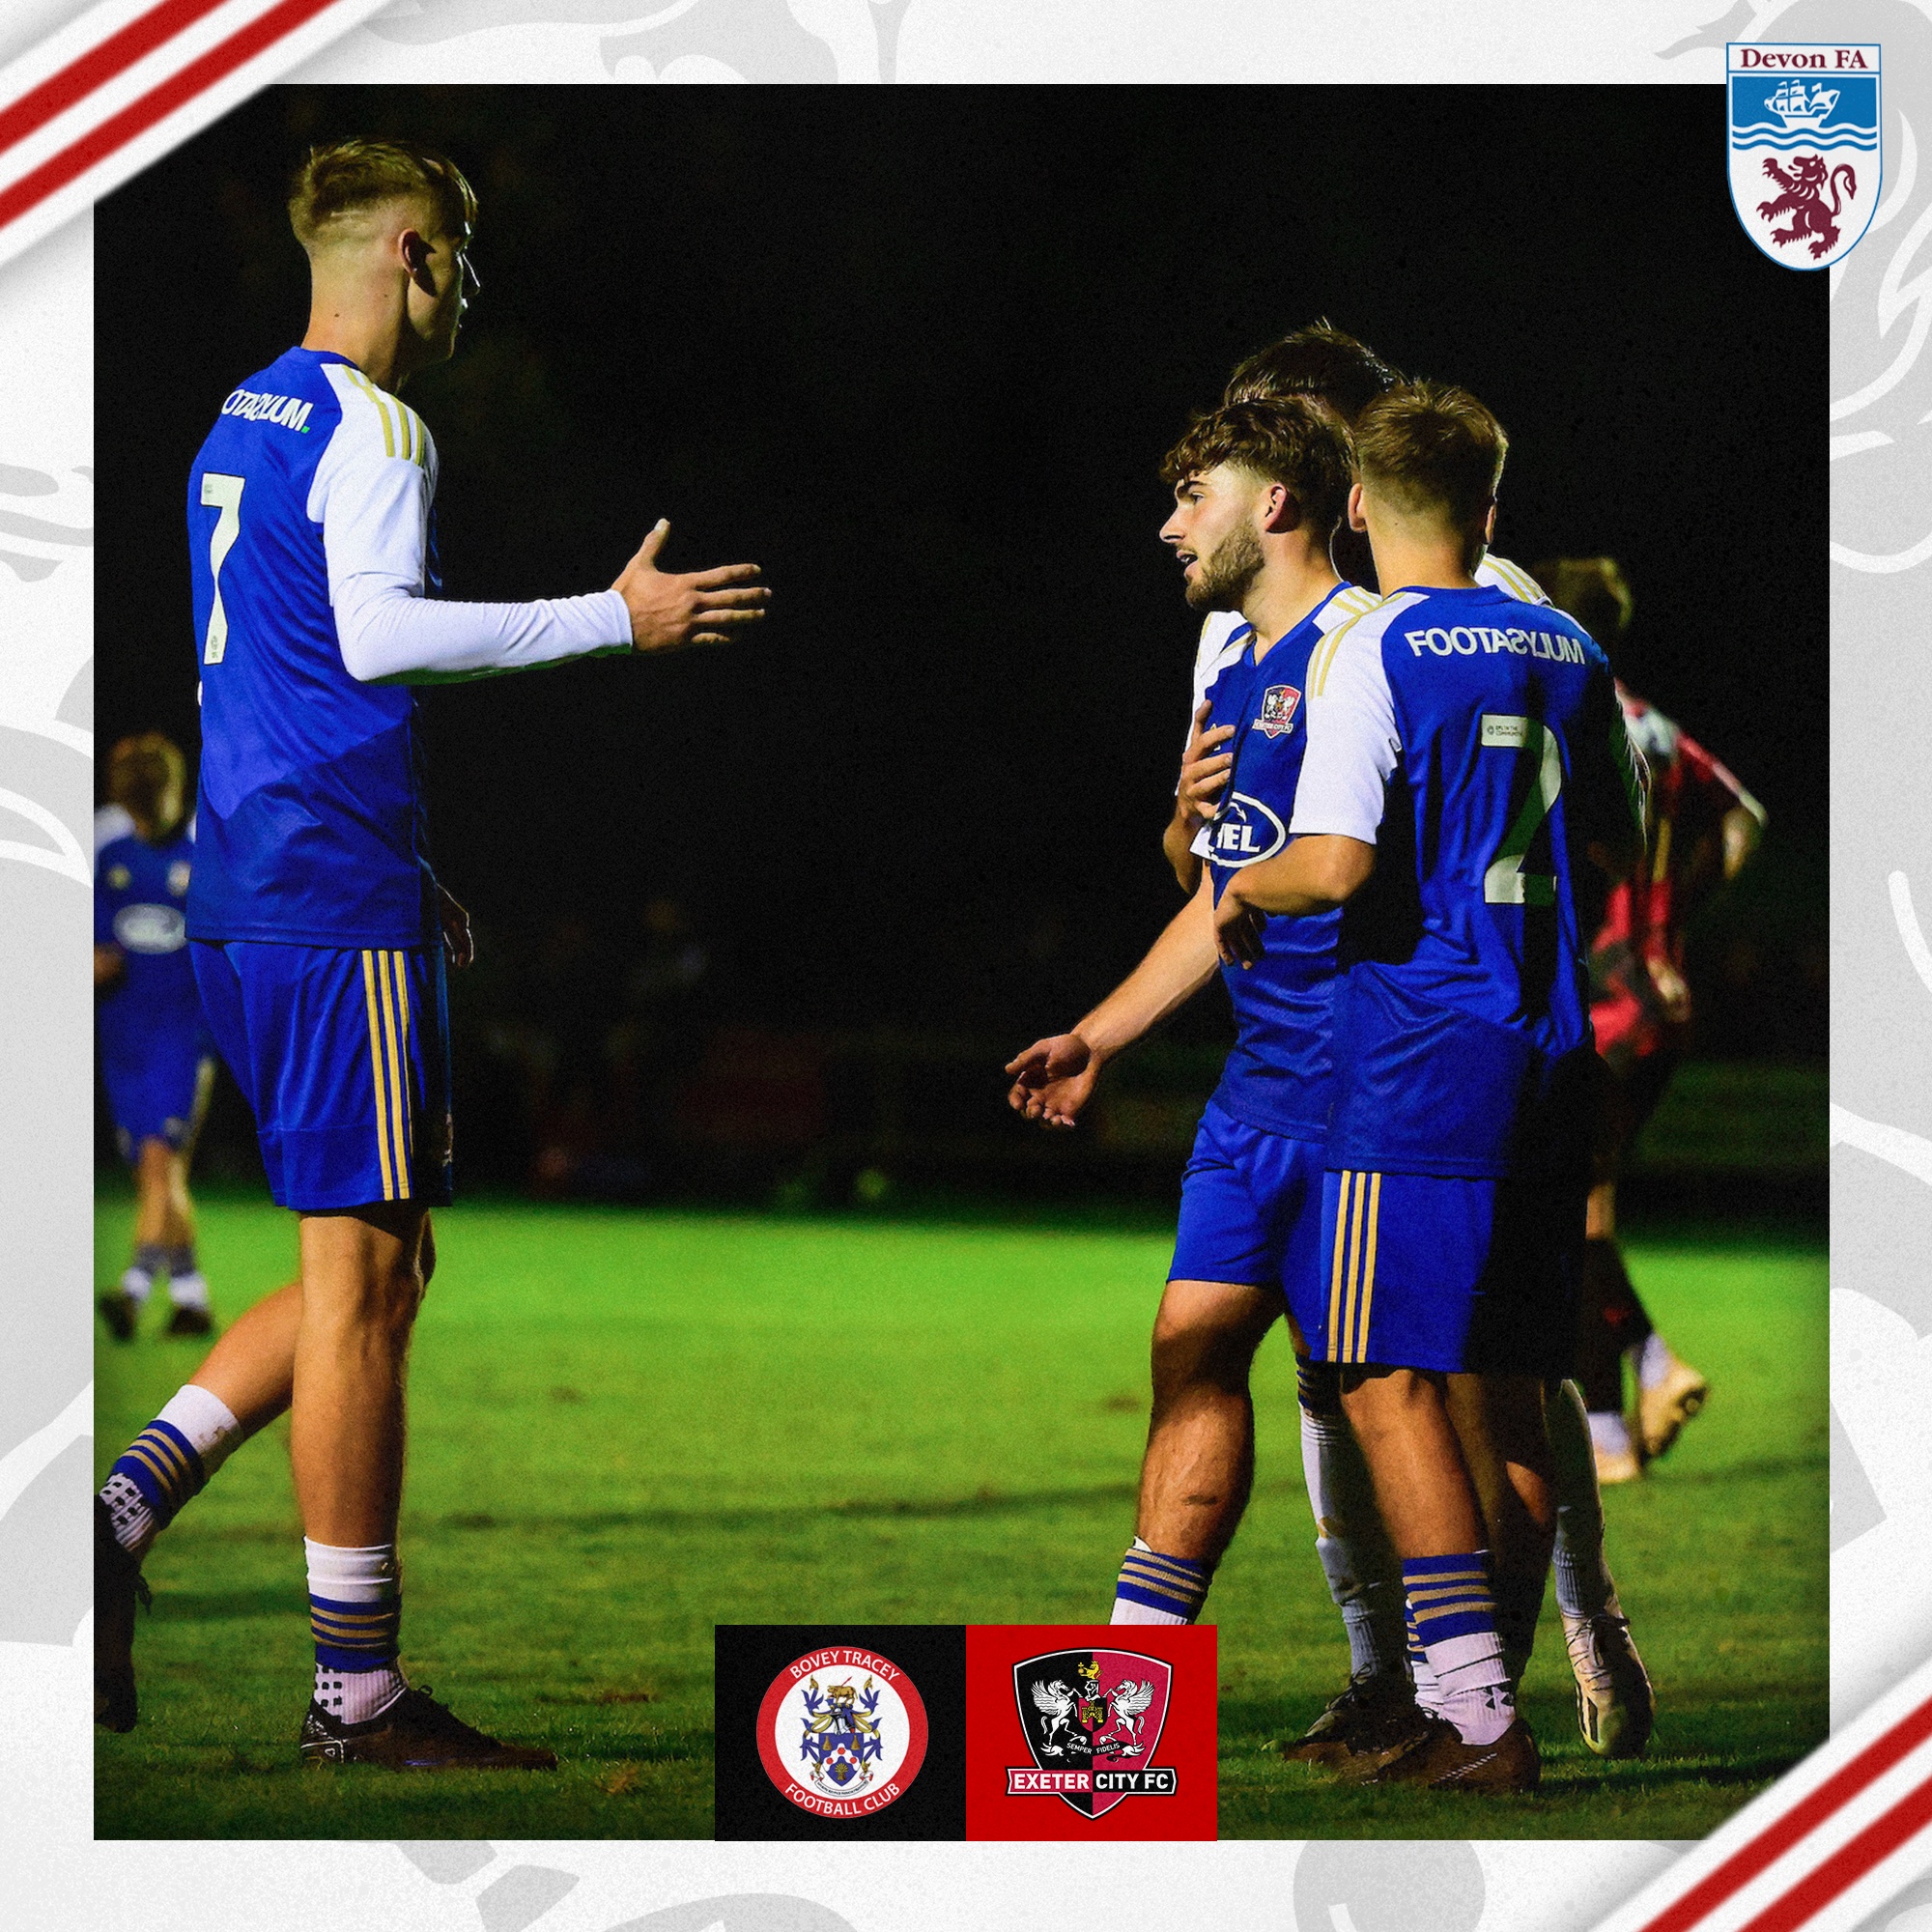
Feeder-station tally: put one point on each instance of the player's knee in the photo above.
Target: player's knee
(427, 1262)
(1201, 1342)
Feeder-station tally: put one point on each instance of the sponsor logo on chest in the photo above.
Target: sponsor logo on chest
(1245, 831)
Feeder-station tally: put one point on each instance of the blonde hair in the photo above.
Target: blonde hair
(142, 772)
(1433, 447)
(349, 175)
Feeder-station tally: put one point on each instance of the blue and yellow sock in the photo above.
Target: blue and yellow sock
(1158, 1589)
(168, 1465)
(1454, 1611)
(356, 1613)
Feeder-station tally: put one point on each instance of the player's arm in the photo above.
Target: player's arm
(108, 958)
(1608, 783)
(1741, 818)
(1054, 1078)
(1204, 775)
(373, 506)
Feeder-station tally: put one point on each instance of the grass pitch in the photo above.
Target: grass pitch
(632, 1424)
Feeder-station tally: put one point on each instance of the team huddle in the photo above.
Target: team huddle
(1398, 815)
(1402, 813)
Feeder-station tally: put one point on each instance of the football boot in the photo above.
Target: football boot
(415, 1733)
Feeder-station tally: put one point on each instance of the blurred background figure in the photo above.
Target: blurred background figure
(1703, 827)
(157, 1064)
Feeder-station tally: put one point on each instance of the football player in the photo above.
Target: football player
(1259, 489)
(317, 927)
(1466, 753)
(1704, 825)
(157, 1063)
(1205, 1338)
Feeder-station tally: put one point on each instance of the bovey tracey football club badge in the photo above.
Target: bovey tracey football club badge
(1092, 1721)
(1805, 148)
(842, 1732)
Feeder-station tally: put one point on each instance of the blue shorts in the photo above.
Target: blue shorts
(344, 1056)
(1251, 1212)
(158, 1089)
(1427, 1272)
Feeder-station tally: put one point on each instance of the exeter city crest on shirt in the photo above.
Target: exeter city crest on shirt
(1804, 155)
(1278, 703)
(1091, 1720)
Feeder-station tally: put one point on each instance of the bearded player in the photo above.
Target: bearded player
(317, 926)
(1466, 753)
(1206, 1334)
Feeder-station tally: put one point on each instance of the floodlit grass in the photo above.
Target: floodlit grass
(629, 1425)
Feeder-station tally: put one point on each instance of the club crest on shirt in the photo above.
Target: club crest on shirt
(1091, 1720)
(1278, 707)
(1804, 159)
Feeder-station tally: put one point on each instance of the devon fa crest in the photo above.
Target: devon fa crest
(1091, 1720)
(1805, 148)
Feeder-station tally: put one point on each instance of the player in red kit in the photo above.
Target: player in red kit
(1703, 827)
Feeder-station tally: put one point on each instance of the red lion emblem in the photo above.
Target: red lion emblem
(1803, 200)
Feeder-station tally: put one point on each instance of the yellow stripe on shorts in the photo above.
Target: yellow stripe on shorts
(1335, 1273)
(376, 1072)
(398, 1120)
(1369, 1266)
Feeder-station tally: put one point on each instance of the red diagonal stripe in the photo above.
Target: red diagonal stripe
(1849, 1863)
(1804, 1817)
(157, 104)
(98, 66)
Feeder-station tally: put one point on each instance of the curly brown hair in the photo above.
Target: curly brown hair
(334, 181)
(1293, 440)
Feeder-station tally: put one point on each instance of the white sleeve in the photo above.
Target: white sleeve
(371, 495)
(1352, 741)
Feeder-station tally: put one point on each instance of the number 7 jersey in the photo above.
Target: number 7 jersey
(1477, 742)
(311, 826)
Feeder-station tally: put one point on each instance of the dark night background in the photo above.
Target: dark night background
(919, 353)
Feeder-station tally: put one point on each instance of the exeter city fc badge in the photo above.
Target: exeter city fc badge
(1804, 147)
(842, 1732)
(1091, 1720)
(1278, 703)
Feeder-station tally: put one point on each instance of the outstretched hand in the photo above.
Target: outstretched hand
(707, 606)
(1053, 1079)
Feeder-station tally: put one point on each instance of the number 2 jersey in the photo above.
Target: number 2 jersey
(1476, 741)
(1280, 1074)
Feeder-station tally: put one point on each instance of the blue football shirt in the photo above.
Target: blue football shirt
(140, 900)
(310, 818)
(1476, 741)
(1279, 1075)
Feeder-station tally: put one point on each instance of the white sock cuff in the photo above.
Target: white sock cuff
(188, 1290)
(206, 1421)
(369, 1574)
